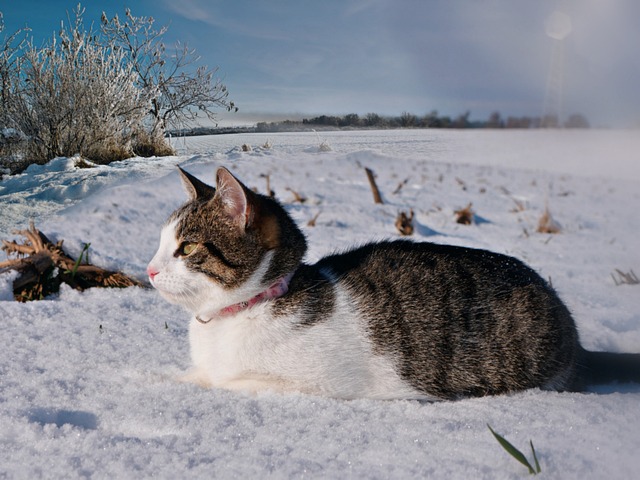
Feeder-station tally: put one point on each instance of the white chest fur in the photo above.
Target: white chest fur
(253, 351)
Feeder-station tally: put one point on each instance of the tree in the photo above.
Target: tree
(577, 120)
(350, 120)
(462, 121)
(495, 121)
(105, 95)
(433, 120)
(373, 120)
(520, 122)
(182, 92)
(408, 119)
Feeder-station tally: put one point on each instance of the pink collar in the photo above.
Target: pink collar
(278, 289)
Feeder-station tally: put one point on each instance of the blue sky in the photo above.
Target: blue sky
(390, 56)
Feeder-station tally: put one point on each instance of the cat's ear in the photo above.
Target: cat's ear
(234, 197)
(194, 187)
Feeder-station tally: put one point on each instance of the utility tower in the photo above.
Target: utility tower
(557, 27)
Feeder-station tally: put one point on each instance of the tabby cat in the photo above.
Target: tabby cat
(387, 320)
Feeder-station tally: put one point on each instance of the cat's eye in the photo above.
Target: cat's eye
(187, 248)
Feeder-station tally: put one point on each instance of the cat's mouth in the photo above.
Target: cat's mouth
(172, 297)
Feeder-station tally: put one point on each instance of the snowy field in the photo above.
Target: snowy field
(88, 380)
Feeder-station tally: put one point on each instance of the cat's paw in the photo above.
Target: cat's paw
(195, 376)
(254, 386)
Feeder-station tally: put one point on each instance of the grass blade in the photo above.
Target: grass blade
(513, 451)
(535, 457)
(85, 250)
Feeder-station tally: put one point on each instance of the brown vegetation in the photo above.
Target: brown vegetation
(464, 216)
(312, 222)
(547, 224)
(43, 266)
(404, 223)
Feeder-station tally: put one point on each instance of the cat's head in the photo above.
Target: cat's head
(224, 246)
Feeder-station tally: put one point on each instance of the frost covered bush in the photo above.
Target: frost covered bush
(12, 141)
(78, 96)
(12, 144)
(104, 95)
(75, 95)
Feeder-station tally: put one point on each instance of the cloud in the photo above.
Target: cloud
(395, 55)
(233, 19)
(193, 10)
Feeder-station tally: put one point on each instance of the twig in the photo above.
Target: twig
(296, 196)
(374, 188)
(400, 185)
(270, 192)
(520, 206)
(312, 222)
(625, 278)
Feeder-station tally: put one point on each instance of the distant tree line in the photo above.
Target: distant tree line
(105, 94)
(430, 120)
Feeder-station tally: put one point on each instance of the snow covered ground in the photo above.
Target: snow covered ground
(88, 380)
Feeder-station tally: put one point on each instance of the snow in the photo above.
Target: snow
(89, 382)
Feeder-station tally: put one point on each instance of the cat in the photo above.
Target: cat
(388, 320)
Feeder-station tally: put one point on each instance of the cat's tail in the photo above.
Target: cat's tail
(606, 367)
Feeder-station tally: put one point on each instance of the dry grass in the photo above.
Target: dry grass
(465, 215)
(296, 196)
(547, 224)
(267, 177)
(520, 206)
(82, 163)
(147, 145)
(312, 222)
(404, 223)
(622, 278)
(324, 147)
(43, 266)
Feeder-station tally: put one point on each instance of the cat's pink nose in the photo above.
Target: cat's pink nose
(152, 272)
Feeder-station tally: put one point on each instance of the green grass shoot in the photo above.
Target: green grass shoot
(85, 252)
(517, 454)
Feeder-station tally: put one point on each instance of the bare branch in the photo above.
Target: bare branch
(183, 95)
